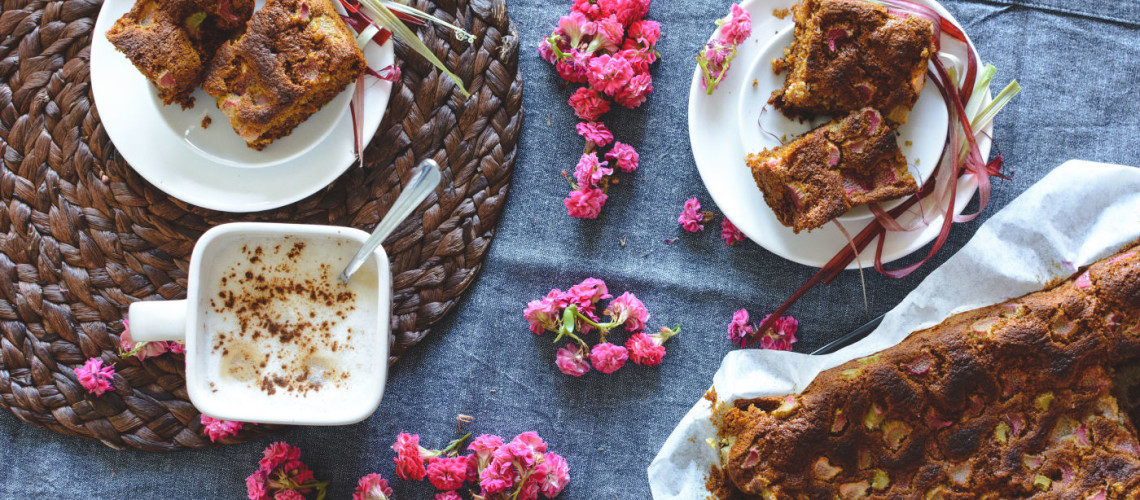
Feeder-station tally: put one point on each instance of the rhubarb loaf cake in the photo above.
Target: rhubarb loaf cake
(171, 41)
(847, 54)
(295, 57)
(1017, 400)
(817, 177)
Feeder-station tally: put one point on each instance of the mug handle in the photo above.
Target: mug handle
(158, 320)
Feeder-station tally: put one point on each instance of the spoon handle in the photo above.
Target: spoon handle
(424, 180)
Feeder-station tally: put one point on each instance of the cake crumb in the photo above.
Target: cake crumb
(206, 121)
(780, 13)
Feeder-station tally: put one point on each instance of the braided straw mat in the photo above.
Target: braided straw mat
(82, 235)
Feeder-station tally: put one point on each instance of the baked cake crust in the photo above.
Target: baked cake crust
(848, 54)
(295, 57)
(848, 162)
(172, 41)
(1015, 400)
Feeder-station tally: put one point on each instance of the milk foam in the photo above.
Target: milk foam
(279, 331)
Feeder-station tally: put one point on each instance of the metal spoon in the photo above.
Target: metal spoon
(424, 180)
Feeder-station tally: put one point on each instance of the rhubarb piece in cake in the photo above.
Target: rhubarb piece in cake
(1031, 398)
(848, 54)
(295, 57)
(171, 41)
(848, 162)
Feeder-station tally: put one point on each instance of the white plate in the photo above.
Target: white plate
(723, 129)
(213, 168)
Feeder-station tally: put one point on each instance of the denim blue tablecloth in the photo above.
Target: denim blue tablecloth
(1078, 61)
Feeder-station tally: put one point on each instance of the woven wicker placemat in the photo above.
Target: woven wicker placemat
(82, 235)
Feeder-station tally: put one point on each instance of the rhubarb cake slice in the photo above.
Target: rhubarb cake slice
(1031, 398)
(295, 57)
(171, 41)
(848, 162)
(847, 54)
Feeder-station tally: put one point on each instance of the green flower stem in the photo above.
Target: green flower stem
(450, 448)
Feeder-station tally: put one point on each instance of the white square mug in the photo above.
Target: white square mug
(356, 363)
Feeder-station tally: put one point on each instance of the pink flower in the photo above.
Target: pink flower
(587, 293)
(557, 475)
(595, 132)
(531, 440)
(447, 473)
(729, 233)
(498, 475)
(571, 360)
(609, 74)
(587, 7)
(531, 488)
(643, 34)
(289, 495)
(255, 486)
(639, 59)
(610, 34)
(409, 460)
(739, 329)
(644, 351)
(691, 216)
(447, 495)
(483, 447)
(177, 347)
(590, 172)
(625, 156)
(372, 487)
(574, 68)
(781, 335)
(608, 358)
(738, 27)
(717, 57)
(219, 429)
(575, 25)
(278, 454)
(628, 310)
(627, 11)
(145, 349)
(585, 203)
(588, 104)
(545, 313)
(95, 377)
(635, 93)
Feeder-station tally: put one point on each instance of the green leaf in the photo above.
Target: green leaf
(383, 16)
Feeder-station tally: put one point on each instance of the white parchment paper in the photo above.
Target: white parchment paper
(1079, 213)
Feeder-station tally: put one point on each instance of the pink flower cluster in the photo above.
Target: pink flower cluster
(521, 468)
(692, 219)
(219, 429)
(779, 337)
(717, 55)
(142, 350)
(95, 377)
(282, 476)
(592, 177)
(574, 314)
(607, 45)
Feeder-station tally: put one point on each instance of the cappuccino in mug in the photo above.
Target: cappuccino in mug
(279, 330)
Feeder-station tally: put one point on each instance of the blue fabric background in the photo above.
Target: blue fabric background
(1077, 61)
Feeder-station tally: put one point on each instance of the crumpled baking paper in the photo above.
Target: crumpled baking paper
(1079, 213)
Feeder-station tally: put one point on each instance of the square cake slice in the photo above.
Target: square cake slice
(848, 162)
(848, 54)
(295, 57)
(171, 41)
